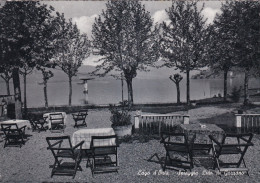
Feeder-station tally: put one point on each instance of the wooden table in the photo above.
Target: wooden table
(202, 131)
(202, 144)
(20, 122)
(86, 134)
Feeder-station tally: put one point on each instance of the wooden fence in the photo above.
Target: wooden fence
(248, 123)
(156, 123)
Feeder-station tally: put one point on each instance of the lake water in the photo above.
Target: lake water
(105, 91)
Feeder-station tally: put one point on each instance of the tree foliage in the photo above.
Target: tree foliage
(185, 39)
(239, 27)
(126, 40)
(72, 48)
(21, 28)
(22, 25)
(221, 51)
(6, 74)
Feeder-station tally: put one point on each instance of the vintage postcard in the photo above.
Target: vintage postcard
(129, 91)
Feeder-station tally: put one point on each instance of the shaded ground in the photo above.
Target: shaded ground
(31, 162)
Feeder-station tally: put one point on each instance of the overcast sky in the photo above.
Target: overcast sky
(83, 13)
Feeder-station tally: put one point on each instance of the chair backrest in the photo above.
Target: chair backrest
(12, 126)
(104, 141)
(82, 114)
(176, 140)
(233, 144)
(61, 143)
(10, 129)
(56, 118)
(237, 140)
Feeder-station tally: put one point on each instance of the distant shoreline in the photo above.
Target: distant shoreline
(136, 106)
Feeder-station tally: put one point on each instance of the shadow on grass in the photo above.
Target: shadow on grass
(227, 119)
(141, 138)
(164, 109)
(185, 108)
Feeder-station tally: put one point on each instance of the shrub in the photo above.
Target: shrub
(120, 115)
(235, 94)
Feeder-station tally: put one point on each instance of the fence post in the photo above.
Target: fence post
(238, 123)
(186, 119)
(137, 121)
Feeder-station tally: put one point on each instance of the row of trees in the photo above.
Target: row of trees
(127, 40)
(33, 36)
(235, 41)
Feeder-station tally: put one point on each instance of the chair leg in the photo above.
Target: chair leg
(23, 140)
(54, 166)
(217, 163)
(85, 123)
(191, 162)
(165, 161)
(5, 143)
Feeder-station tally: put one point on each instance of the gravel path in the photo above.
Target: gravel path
(31, 162)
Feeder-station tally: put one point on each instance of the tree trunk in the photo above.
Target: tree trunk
(7, 87)
(24, 97)
(122, 86)
(188, 87)
(246, 94)
(70, 91)
(130, 92)
(45, 93)
(225, 85)
(178, 93)
(17, 94)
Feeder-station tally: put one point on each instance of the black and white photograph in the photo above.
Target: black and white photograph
(130, 91)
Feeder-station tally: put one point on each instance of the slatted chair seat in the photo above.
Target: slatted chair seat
(228, 150)
(176, 148)
(80, 118)
(67, 158)
(105, 158)
(105, 151)
(198, 146)
(13, 135)
(66, 153)
(231, 144)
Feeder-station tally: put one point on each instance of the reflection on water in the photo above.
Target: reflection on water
(145, 90)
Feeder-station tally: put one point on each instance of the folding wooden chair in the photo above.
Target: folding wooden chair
(104, 154)
(178, 150)
(37, 123)
(13, 134)
(80, 117)
(231, 144)
(57, 121)
(62, 150)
